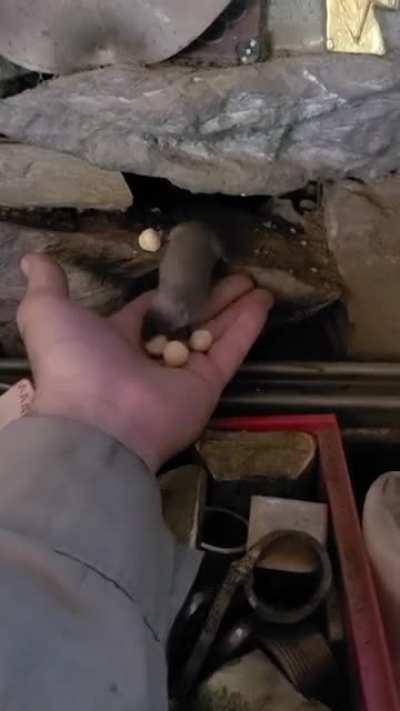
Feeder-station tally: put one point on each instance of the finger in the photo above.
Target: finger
(44, 274)
(44, 278)
(239, 330)
(129, 319)
(227, 290)
(226, 318)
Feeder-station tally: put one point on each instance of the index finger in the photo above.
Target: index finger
(225, 292)
(234, 331)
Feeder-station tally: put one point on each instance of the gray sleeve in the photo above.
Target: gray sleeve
(90, 577)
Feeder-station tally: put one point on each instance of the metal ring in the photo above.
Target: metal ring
(272, 613)
(225, 550)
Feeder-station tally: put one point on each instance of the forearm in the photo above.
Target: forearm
(84, 548)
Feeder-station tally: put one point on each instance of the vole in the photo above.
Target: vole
(185, 276)
(186, 271)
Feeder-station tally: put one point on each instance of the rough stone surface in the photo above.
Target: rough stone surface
(93, 263)
(265, 128)
(363, 234)
(31, 176)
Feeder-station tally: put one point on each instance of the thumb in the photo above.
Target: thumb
(44, 275)
(44, 279)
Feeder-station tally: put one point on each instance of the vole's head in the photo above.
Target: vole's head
(166, 317)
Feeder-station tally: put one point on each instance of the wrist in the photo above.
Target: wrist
(117, 414)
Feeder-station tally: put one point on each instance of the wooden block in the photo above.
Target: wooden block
(251, 683)
(268, 514)
(273, 455)
(246, 464)
(183, 492)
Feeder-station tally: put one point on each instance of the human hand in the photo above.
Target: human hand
(95, 369)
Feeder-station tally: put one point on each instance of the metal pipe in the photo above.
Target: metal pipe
(320, 369)
(282, 369)
(375, 436)
(360, 410)
(318, 385)
(294, 400)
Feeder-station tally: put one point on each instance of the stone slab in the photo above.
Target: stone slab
(260, 129)
(32, 177)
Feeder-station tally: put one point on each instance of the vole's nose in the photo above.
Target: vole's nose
(156, 323)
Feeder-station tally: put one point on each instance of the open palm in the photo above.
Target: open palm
(95, 369)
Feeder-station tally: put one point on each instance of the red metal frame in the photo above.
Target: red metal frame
(371, 666)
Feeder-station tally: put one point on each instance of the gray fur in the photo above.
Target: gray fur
(184, 279)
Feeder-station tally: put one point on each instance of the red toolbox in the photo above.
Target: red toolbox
(370, 668)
